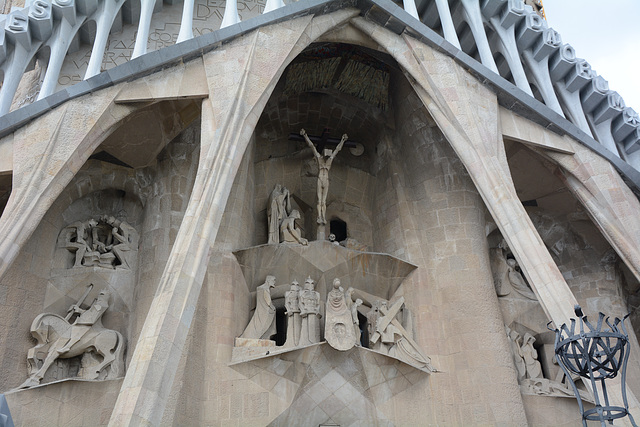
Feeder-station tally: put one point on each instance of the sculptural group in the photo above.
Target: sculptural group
(80, 333)
(106, 242)
(343, 312)
(531, 376)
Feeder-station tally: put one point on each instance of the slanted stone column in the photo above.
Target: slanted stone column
(238, 94)
(467, 114)
(48, 152)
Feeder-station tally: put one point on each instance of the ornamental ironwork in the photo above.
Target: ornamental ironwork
(595, 353)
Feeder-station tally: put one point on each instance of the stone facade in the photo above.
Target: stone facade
(457, 227)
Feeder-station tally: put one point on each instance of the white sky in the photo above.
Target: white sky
(607, 34)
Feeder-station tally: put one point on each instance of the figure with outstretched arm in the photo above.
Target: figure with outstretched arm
(324, 164)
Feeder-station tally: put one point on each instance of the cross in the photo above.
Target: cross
(322, 141)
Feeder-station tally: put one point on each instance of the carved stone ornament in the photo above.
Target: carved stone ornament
(279, 208)
(530, 374)
(81, 334)
(107, 242)
(263, 322)
(291, 233)
(324, 162)
(310, 313)
(507, 277)
(338, 330)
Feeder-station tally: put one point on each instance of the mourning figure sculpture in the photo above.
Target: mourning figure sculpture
(507, 276)
(279, 208)
(291, 233)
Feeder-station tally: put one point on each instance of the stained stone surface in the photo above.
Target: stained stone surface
(333, 386)
(71, 403)
(375, 273)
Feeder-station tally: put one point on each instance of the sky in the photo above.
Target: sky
(607, 34)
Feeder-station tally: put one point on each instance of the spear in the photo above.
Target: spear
(71, 311)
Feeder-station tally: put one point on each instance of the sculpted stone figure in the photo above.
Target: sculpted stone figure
(530, 375)
(123, 238)
(76, 236)
(338, 330)
(387, 331)
(279, 209)
(294, 321)
(106, 242)
(58, 338)
(518, 283)
(515, 340)
(290, 233)
(324, 162)
(356, 321)
(373, 315)
(310, 313)
(263, 323)
(507, 278)
(388, 336)
(530, 357)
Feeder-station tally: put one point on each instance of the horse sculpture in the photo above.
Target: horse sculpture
(58, 338)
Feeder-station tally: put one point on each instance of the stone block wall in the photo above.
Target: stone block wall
(170, 190)
(152, 200)
(451, 294)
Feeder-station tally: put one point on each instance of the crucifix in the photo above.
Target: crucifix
(324, 162)
(323, 141)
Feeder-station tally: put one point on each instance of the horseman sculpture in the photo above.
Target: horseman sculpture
(60, 338)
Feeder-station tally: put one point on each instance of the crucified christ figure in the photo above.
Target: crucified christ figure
(324, 164)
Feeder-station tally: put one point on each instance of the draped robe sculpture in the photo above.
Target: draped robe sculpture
(263, 323)
(339, 331)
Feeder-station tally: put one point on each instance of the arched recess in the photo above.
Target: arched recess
(103, 188)
(428, 12)
(472, 130)
(60, 150)
(597, 276)
(228, 122)
(498, 57)
(406, 177)
(86, 35)
(140, 136)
